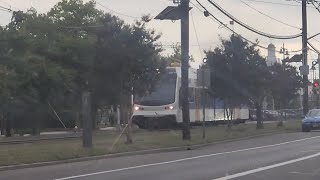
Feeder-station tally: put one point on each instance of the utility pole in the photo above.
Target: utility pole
(87, 120)
(305, 57)
(181, 12)
(185, 68)
(203, 107)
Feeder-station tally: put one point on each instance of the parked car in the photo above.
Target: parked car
(270, 115)
(311, 121)
(291, 113)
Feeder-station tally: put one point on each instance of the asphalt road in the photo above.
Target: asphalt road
(282, 156)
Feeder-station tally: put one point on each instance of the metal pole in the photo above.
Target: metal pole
(214, 107)
(185, 69)
(283, 51)
(87, 120)
(318, 93)
(305, 56)
(118, 118)
(319, 65)
(129, 135)
(203, 107)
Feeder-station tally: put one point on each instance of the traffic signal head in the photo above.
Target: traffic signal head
(315, 84)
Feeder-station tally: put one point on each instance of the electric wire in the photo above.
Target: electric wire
(196, 34)
(250, 28)
(116, 12)
(231, 30)
(269, 16)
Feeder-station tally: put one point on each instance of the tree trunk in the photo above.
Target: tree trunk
(94, 111)
(259, 115)
(35, 131)
(86, 118)
(231, 110)
(130, 112)
(125, 115)
(8, 128)
(2, 124)
(227, 109)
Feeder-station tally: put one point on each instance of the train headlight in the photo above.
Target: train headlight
(171, 107)
(136, 108)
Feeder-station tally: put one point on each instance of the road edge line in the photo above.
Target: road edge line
(252, 171)
(132, 153)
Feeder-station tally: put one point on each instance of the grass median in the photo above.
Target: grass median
(143, 140)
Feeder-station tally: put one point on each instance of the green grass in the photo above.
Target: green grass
(68, 149)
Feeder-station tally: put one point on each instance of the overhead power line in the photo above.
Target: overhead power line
(116, 12)
(276, 3)
(196, 33)
(2, 8)
(250, 28)
(314, 48)
(269, 16)
(81, 27)
(316, 5)
(231, 30)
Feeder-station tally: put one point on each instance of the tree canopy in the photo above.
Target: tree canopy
(47, 60)
(239, 74)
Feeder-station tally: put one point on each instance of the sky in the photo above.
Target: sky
(207, 31)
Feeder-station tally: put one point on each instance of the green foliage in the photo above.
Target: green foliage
(285, 85)
(175, 57)
(239, 74)
(52, 58)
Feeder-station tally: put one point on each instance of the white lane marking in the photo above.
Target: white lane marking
(267, 167)
(301, 173)
(185, 159)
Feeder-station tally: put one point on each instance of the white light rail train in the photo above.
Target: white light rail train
(161, 108)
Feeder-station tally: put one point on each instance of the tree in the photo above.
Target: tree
(35, 79)
(50, 59)
(175, 57)
(239, 74)
(286, 83)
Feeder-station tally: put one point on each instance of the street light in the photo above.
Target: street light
(285, 52)
(204, 60)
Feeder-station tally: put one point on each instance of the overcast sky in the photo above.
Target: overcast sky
(208, 31)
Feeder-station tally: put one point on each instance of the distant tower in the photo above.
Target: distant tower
(271, 59)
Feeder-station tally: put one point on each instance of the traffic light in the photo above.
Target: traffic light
(315, 86)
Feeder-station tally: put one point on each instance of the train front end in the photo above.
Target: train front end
(159, 108)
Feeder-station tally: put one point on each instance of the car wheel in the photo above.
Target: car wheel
(306, 129)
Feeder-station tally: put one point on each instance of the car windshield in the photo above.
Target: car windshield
(314, 113)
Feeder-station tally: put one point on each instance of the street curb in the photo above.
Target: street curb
(142, 152)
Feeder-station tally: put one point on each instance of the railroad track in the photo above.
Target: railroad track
(38, 140)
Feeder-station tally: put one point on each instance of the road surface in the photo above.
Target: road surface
(291, 156)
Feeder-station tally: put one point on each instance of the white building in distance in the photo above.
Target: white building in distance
(271, 58)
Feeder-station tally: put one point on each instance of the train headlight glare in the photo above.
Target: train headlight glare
(136, 108)
(171, 107)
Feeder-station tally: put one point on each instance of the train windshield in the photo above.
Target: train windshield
(164, 92)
